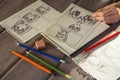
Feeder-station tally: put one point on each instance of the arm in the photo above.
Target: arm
(109, 14)
(117, 5)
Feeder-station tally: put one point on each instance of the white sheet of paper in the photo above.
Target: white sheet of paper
(104, 62)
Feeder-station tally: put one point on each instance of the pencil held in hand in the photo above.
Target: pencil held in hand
(31, 62)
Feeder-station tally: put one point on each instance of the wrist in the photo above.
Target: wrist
(118, 9)
(117, 4)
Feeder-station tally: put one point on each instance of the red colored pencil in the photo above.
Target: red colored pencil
(101, 41)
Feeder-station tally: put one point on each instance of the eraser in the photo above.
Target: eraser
(40, 44)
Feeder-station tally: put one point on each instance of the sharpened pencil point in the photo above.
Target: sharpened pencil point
(62, 61)
(71, 78)
(27, 52)
(17, 43)
(68, 76)
(52, 74)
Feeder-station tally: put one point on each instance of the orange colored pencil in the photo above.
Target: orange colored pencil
(31, 62)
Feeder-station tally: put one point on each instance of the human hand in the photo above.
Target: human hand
(109, 14)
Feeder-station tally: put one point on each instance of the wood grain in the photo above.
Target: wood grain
(25, 71)
(93, 5)
(8, 44)
(60, 5)
(13, 68)
(10, 7)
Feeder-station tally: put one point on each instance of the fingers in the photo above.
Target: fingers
(110, 19)
(107, 15)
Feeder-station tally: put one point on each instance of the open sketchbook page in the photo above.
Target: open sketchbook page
(104, 62)
(74, 29)
(28, 22)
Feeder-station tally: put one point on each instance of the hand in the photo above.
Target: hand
(109, 14)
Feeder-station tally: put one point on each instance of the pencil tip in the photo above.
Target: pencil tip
(52, 74)
(26, 52)
(17, 43)
(62, 61)
(69, 77)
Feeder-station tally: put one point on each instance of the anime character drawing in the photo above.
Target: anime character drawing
(31, 17)
(74, 13)
(89, 19)
(84, 18)
(62, 35)
(21, 27)
(43, 9)
(75, 27)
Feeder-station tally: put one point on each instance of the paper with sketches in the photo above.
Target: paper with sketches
(104, 62)
(75, 28)
(30, 21)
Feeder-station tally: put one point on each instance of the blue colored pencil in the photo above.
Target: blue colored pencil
(42, 53)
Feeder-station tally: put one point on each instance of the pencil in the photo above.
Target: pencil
(101, 41)
(31, 62)
(48, 65)
(42, 53)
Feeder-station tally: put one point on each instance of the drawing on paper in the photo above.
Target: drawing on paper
(75, 14)
(31, 17)
(81, 16)
(21, 27)
(62, 35)
(42, 9)
(75, 27)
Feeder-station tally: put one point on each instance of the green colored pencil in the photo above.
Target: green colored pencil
(48, 65)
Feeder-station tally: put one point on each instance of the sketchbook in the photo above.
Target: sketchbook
(30, 21)
(74, 29)
(68, 31)
(103, 63)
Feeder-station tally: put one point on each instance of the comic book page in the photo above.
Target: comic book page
(74, 29)
(30, 21)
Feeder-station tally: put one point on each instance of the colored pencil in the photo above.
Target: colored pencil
(31, 62)
(49, 66)
(42, 53)
(102, 41)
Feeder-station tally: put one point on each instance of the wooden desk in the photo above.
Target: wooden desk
(14, 68)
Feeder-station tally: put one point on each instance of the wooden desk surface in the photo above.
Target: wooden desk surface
(14, 68)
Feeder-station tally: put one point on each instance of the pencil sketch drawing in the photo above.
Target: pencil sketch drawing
(75, 13)
(75, 27)
(85, 18)
(31, 17)
(42, 9)
(62, 35)
(80, 74)
(88, 19)
(21, 27)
